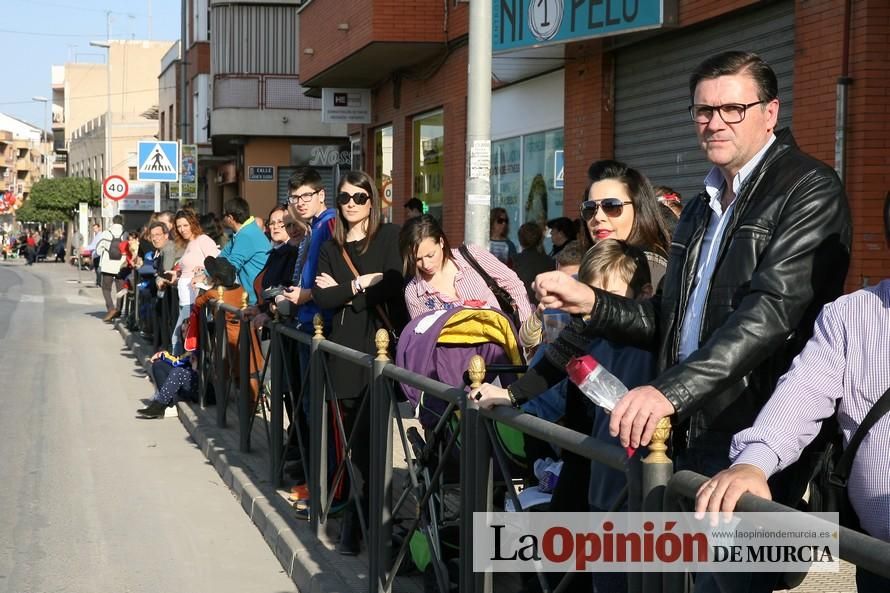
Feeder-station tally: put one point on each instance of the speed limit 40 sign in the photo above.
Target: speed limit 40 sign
(115, 187)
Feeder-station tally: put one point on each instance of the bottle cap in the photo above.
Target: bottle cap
(579, 367)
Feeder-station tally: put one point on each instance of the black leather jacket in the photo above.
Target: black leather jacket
(784, 254)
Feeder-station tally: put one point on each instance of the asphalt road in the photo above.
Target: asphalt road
(93, 499)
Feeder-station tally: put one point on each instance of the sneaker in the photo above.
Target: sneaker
(299, 492)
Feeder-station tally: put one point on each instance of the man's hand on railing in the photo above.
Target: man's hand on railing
(488, 396)
(558, 290)
(637, 414)
(722, 492)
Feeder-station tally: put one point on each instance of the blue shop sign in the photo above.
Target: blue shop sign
(519, 24)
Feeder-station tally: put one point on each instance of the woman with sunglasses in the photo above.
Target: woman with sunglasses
(620, 204)
(360, 280)
(499, 244)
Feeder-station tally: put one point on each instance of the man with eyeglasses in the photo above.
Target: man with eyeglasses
(306, 199)
(753, 259)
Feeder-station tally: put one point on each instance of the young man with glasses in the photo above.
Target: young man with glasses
(752, 261)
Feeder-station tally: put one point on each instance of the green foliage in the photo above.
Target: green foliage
(56, 200)
(30, 213)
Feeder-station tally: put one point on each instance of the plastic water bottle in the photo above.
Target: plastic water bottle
(599, 385)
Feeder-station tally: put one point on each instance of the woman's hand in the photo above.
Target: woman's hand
(488, 396)
(325, 280)
(156, 356)
(369, 280)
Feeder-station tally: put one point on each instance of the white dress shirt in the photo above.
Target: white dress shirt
(690, 332)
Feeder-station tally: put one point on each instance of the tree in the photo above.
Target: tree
(56, 200)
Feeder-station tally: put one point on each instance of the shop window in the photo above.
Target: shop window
(429, 162)
(525, 180)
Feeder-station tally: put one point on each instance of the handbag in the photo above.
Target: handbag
(381, 312)
(504, 298)
(828, 489)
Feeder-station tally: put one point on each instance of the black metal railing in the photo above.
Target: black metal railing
(652, 485)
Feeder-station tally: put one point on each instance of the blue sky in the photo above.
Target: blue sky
(37, 34)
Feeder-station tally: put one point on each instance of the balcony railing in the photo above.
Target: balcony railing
(261, 91)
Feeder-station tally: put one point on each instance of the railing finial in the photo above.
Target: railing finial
(476, 370)
(244, 298)
(220, 291)
(381, 340)
(658, 445)
(318, 324)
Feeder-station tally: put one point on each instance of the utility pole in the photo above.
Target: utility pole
(478, 189)
(44, 139)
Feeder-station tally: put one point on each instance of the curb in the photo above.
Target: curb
(301, 556)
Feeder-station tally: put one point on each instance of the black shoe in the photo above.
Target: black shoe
(154, 410)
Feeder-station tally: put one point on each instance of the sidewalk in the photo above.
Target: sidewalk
(313, 565)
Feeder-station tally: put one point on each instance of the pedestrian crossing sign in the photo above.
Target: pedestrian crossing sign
(158, 161)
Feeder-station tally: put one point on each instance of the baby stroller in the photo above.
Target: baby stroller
(439, 345)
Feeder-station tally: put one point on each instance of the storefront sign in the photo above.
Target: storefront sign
(346, 106)
(519, 24)
(559, 169)
(321, 155)
(140, 197)
(264, 173)
(189, 172)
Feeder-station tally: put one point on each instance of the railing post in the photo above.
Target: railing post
(244, 391)
(318, 432)
(380, 479)
(276, 398)
(204, 347)
(657, 471)
(476, 481)
(222, 341)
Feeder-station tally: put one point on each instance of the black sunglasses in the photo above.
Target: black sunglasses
(612, 207)
(360, 198)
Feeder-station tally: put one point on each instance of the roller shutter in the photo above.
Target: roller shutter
(653, 131)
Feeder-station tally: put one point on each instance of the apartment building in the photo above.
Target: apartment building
(22, 159)
(580, 81)
(82, 107)
(246, 108)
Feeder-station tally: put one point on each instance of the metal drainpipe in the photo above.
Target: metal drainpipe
(843, 86)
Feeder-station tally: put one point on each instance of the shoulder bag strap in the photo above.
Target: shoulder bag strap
(845, 463)
(489, 281)
(380, 311)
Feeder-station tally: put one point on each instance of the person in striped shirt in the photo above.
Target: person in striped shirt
(844, 369)
(442, 278)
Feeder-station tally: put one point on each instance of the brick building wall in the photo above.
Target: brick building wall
(589, 125)
(396, 104)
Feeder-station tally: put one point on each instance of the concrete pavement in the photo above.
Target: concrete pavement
(93, 499)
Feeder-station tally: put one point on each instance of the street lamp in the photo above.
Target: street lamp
(107, 45)
(45, 138)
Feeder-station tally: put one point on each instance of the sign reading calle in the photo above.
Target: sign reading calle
(519, 24)
(261, 173)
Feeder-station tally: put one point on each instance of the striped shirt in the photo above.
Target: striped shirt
(847, 359)
(421, 297)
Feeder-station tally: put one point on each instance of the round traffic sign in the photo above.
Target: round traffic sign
(387, 193)
(115, 187)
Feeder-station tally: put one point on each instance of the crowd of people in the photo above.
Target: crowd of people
(710, 310)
